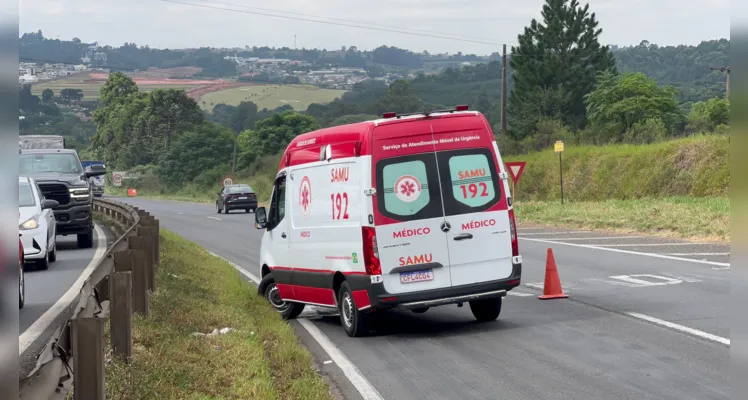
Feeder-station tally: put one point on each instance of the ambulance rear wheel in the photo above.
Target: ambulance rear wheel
(486, 310)
(269, 290)
(355, 323)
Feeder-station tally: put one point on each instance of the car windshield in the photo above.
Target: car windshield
(63, 163)
(25, 195)
(240, 189)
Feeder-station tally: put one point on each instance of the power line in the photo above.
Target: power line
(353, 21)
(400, 31)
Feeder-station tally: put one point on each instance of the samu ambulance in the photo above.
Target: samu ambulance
(409, 211)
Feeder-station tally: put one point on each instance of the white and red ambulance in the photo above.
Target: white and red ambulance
(410, 211)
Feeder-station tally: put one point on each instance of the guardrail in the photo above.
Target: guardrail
(119, 286)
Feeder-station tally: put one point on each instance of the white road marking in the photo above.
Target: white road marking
(602, 238)
(655, 244)
(721, 268)
(215, 218)
(638, 253)
(549, 233)
(685, 329)
(364, 387)
(519, 294)
(42, 323)
(698, 254)
(660, 280)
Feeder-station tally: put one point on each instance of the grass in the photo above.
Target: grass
(696, 166)
(262, 359)
(271, 96)
(706, 218)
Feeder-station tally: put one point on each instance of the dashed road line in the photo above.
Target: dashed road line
(681, 328)
(638, 253)
(215, 218)
(519, 294)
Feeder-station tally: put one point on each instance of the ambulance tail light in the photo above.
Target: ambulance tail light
(462, 107)
(371, 252)
(513, 229)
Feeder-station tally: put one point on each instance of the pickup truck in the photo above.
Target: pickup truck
(62, 178)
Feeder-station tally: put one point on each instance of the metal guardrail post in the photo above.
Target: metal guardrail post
(153, 223)
(140, 275)
(88, 353)
(120, 327)
(148, 233)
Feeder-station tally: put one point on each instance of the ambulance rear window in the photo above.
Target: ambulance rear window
(469, 180)
(408, 187)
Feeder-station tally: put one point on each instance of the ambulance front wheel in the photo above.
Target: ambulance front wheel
(355, 323)
(269, 290)
(487, 309)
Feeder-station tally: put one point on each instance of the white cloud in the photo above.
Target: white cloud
(162, 24)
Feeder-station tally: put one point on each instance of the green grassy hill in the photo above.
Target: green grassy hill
(695, 167)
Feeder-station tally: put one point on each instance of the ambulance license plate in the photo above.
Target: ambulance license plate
(417, 276)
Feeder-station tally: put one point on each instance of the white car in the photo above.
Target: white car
(36, 224)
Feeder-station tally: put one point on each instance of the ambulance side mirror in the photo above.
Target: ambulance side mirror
(261, 218)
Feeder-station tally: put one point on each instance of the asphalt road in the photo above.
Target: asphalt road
(646, 318)
(45, 288)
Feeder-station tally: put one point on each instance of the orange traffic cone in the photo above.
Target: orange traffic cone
(552, 286)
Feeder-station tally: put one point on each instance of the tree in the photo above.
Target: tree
(243, 117)
(272, 135)
(630, 99)
(27, 102)
(48, 95)
(202, 148)
(562, 52)
(708, 115)
(71, 94)
(117, 88)
(400, 98)
(172, 112)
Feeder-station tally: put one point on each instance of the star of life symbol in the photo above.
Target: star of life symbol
(305, 191)
(408, 188)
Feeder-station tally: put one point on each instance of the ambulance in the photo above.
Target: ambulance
(408, 211)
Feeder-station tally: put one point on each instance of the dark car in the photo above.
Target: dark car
(236, 197)
(60, 176)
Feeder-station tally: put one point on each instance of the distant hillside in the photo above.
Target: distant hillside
(685, 67)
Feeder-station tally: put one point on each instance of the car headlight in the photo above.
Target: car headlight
(78, 193)
(31, 223)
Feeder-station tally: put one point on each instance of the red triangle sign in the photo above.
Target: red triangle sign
(516, 169)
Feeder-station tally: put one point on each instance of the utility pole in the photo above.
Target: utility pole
(727, 84)
(294, 41)
(503, 92)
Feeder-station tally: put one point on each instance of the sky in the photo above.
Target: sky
(480, 26)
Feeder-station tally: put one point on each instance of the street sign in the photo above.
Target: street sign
(117, 178)
(516, 169)
(228, 181)
(559, 146)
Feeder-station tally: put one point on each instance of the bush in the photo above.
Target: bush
(646, 132)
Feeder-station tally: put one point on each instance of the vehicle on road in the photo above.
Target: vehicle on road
(236, 197)
(60, 176)
(97, 182)
(36, 223)
(21, 277)
(410, 211)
